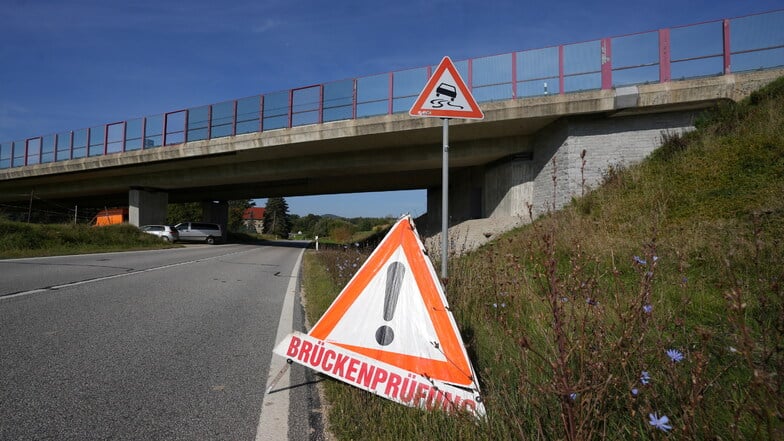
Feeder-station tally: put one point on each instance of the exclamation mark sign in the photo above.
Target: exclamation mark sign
(395, 273)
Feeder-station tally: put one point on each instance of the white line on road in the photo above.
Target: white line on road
(114, 276)
(274, 417)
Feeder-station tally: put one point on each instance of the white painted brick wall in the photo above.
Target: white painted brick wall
(608, 142)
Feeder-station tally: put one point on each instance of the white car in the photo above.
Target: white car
(165, 232)
(199, 232)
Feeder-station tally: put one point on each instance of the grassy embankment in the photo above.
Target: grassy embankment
(19, 239)
(569, 320)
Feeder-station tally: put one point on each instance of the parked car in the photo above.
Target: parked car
(199, 232)
(165, 232)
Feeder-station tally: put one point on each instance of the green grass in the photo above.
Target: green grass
(19, 239)
(560, 307)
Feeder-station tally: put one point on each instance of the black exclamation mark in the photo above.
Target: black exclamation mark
(395, 273)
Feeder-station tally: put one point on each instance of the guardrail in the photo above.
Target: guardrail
(712, 48)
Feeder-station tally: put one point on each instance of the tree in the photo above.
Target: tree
(276, 218)
(183, 212)
(236, 209)
(305, 224)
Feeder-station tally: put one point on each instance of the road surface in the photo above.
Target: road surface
(168, 344)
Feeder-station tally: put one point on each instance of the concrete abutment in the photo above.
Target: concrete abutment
(577, 151)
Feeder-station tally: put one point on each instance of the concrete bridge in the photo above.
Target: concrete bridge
(319, 141)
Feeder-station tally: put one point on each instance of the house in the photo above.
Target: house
(253, 219)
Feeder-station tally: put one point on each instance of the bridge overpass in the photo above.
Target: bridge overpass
(608, 101)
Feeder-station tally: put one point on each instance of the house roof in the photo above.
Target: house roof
(253, 213)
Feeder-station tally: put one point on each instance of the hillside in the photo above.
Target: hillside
(657, 295)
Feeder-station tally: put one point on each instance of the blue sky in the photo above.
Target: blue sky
(73, 64)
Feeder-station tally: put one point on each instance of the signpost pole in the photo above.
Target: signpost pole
(446, 96)
(445, 201)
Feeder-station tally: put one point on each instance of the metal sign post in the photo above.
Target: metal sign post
(446, 96)
(445, 201)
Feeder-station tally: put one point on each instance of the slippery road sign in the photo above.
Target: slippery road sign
(446, 96)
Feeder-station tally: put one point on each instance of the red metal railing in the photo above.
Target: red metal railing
(696, 50)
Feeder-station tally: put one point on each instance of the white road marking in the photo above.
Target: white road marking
(114, 276)
(274, 414)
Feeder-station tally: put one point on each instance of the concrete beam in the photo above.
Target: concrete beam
(323, 154)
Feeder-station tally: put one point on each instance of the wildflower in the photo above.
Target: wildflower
(591, 301)
(573, 396)
(647, 309)
(640, 261)
(660, 423)
(675, 355)
(645, 378)
(655, 258)
(635, 391)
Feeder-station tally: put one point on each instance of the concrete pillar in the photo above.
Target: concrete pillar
(147, 207)
(508, 189)
(216, 212)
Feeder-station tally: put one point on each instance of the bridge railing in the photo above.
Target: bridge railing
(719, 47)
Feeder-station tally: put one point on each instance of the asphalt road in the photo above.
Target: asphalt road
(169, 344)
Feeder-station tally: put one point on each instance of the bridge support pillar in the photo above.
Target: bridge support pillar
(216, 212)
(500, 189)
(147, 207)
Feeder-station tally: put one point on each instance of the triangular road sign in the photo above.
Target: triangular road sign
(398, 283)
(393, 317)
(446, 96)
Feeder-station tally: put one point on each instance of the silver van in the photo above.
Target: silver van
(199, 232)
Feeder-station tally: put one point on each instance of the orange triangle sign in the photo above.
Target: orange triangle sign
(390, 331)
(446, 96)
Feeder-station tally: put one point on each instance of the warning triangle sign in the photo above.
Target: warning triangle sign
(396, 293)
(446, 96)
(390, 331)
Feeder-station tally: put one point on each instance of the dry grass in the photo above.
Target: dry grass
(657, 295)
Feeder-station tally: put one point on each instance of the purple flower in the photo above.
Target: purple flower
(640, 261)
(635, 391)
(645, 378)
(675, 355)
(573, 396)
(647, 309)
(660, 423)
